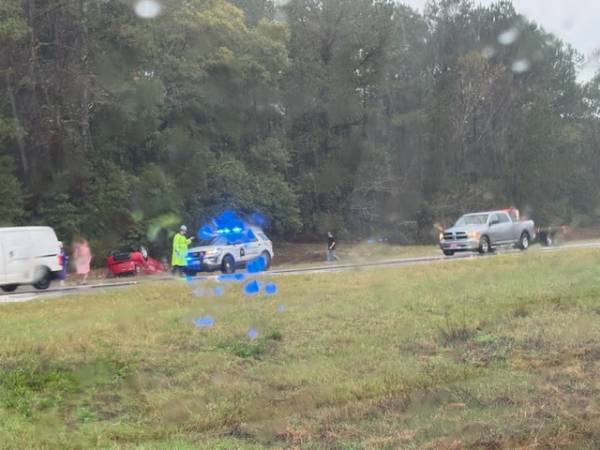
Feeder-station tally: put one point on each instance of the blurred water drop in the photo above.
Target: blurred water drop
(280, 308)
(257, 265)
(252, 333)
(252, 288)
(488, 52)
(509, 36)
(205, 322)
(226, 278)
(521, 66)
(147, 9)
(231, 277)
(199, 292)
(271, 289)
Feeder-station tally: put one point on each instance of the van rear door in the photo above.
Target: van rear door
(44, 248)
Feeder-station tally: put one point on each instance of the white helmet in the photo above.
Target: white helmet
(183, 228)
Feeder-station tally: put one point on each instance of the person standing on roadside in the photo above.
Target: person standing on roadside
(180, 248)
(331, 245)
(64, 263)
(82, 257)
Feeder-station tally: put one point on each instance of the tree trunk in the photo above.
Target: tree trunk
(20, 143)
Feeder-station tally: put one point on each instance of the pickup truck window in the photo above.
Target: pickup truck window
(503, 218)
(472, 219)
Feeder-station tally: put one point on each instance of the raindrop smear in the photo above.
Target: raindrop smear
(147, 9)
(271, 289)
(252, 288)
(231, 277)
(520, 66)
(199, 292)
(257, 265)
(509, 36)
(488, 52)
(205, 322)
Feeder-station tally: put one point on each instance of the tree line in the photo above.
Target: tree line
(361, 116)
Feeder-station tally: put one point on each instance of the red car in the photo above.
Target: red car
(133, 263)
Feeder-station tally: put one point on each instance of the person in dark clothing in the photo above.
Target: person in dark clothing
(331, 245)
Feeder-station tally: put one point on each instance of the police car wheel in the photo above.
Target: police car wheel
(228, 264)
(267, 259)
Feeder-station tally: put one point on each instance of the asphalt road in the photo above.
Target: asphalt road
(25, 294)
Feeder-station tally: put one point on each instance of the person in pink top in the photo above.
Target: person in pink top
(82, 256)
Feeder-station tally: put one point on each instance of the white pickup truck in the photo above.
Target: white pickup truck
(483, 232)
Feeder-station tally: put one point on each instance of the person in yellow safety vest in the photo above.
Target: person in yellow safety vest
(180, 247)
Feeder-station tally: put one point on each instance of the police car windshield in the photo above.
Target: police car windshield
(219, 240)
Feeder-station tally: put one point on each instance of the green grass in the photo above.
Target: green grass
(499, 352)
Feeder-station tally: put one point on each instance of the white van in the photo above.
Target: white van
(28, 255)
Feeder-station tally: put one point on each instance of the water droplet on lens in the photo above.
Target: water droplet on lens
(252, 288)
(488, 52)
(520, 66)
(509, 36)
(199, 292)
(147, 9)
(257, 265)
(226, 278)
(205, 322)
(271, 289)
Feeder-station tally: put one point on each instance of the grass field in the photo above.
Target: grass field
(498, 352)
(306, 255)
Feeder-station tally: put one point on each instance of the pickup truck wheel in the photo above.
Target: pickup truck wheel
(9, 287)
(524, 241)
(228, 264)
(484, 245)
(448, 252)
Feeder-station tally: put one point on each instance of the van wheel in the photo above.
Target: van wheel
(228, 264)
(448, 252)
(484, 245)
(44, 282)
(267, 259)
(9, 287)
(524, 241)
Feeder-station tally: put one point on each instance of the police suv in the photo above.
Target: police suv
(229, 250)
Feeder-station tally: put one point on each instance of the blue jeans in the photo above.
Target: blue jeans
(331, 255)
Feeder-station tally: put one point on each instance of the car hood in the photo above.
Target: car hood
(207, 248)
(466, 229)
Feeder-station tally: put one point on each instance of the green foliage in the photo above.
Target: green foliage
(12, 206)
(345, 115)
(58, 211)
